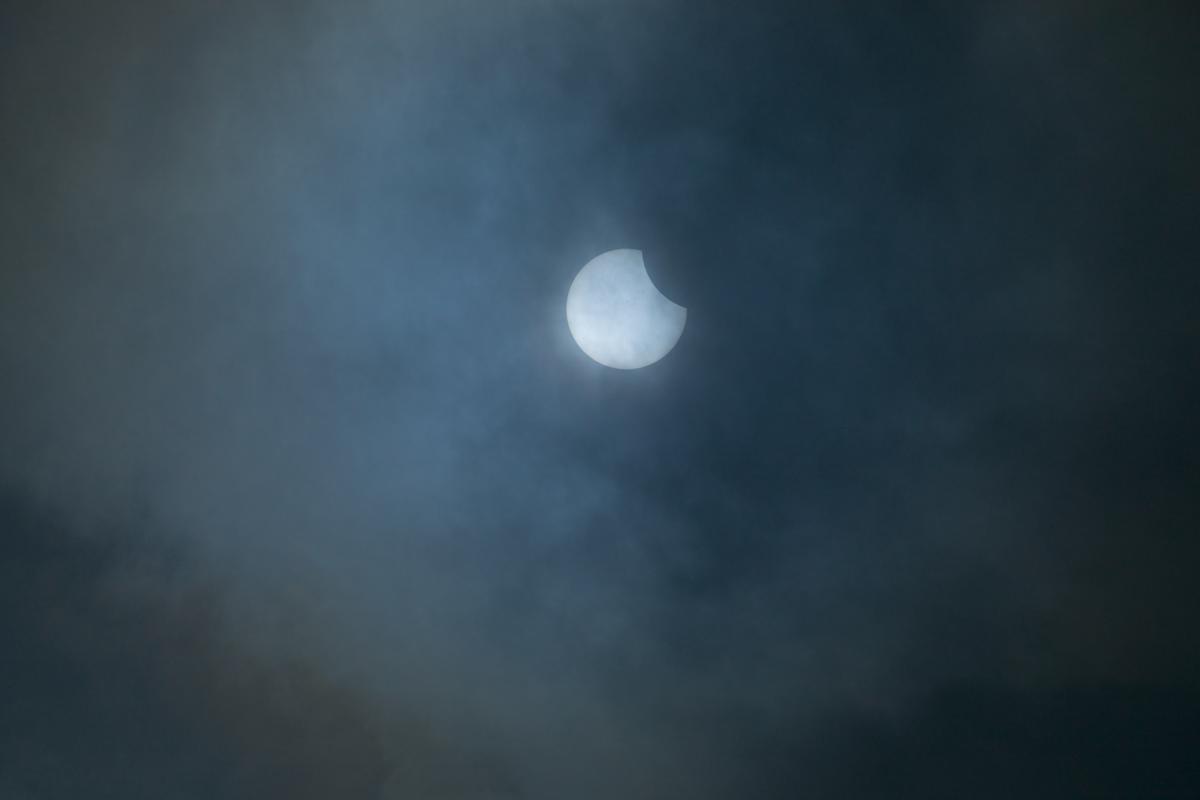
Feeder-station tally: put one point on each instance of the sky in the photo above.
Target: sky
(306, 491)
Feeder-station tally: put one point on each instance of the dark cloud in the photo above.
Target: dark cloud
(310, 494)
(121, 678)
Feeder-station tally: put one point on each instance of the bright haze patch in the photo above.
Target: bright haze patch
(618, 316)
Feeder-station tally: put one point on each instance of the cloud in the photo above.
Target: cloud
(309, 481)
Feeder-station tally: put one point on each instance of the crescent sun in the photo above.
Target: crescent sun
(618, 316)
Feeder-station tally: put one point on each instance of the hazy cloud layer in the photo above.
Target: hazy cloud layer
(310, 494)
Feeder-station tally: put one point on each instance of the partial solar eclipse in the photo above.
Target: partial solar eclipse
(617, 315)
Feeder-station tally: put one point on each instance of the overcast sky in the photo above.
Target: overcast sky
(306, 491)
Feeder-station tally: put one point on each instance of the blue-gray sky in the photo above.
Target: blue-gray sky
(305, 491)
